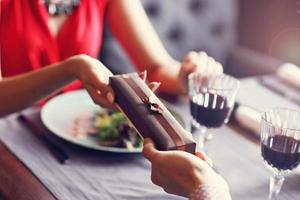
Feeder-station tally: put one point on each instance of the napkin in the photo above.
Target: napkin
(248, 118)
(290, 74)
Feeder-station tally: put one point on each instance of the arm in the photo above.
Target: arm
(21, 91)
(131, 26)
(139, 39)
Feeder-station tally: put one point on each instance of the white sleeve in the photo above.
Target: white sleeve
(209, 192)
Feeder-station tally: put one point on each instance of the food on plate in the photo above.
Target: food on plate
(112, 129)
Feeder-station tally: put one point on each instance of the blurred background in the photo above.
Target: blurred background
(249, 37)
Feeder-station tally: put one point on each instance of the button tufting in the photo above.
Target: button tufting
(218, 29)
(197, 6)
(152, 9)
(176, 33)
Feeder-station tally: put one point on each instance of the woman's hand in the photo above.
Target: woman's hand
(94, 76)
(201, 62)
(178, 172)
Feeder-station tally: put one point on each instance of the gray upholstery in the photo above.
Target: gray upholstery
(183, 25)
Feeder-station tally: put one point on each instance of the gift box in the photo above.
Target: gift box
(148, 114)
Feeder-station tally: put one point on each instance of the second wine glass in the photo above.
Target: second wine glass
(280, 144)
(211, 103)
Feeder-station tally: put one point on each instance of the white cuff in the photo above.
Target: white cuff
(209, 192)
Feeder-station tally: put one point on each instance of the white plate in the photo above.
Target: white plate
(59, 114)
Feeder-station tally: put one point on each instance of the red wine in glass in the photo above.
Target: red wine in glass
(281, 152)
(211, 102)
(209, 110)
(280, 145)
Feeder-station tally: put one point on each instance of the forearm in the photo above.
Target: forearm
(168, 76)
(21, 91)
(130, 25)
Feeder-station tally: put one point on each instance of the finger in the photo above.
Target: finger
(187, 69)
(203, 59)
(189, 63)
(154, 86)
(191, 57)
(200, 155)
(218, 68)
(101, 83)
(105, 95)
(110, 97)
(148, 141)
(97, 97)
(143, 75)
(106, 91)
(149, 150)
(211, 63)
(204, 157)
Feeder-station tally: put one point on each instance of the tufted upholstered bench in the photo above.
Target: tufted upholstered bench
(199, 25)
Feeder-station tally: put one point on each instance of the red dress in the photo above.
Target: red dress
(27, 43)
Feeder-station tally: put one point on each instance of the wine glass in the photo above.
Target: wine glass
(280, 144)
(211, 103)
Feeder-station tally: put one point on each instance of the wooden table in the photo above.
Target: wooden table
(17, 182)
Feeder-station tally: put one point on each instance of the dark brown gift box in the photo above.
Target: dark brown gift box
(149, 116)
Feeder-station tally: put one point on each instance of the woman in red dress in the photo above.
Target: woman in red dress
(43, 42)
(48, 44)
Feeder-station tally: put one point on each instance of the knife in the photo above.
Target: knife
(60, 155)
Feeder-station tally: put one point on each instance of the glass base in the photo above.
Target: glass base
(276, 180)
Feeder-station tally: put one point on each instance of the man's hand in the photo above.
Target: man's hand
(178, 172)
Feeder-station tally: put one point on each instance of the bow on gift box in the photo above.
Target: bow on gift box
(151, 102)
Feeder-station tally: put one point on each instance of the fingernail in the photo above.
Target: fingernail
(143, 75)
(155, 86)
(110, 97)
(200, 155)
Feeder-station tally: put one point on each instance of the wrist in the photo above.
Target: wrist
(168, 74)
(73, 64)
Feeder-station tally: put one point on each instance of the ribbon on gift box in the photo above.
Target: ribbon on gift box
(157, 109)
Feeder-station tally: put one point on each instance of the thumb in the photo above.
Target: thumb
(104, 88)
(149, 151)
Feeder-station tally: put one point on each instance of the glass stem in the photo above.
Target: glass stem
(276, 182)
(201, 136)
(201, 140)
